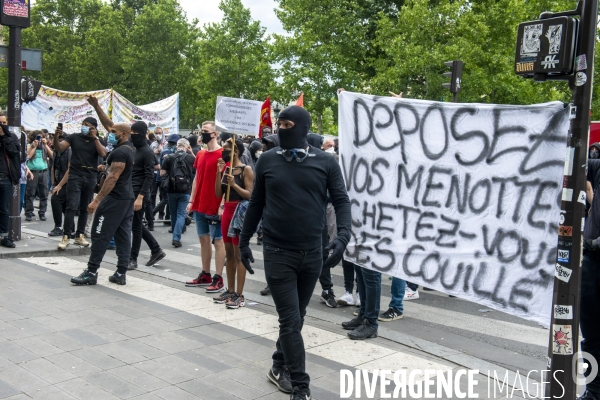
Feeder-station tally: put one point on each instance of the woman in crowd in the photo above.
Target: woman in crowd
(241, 183)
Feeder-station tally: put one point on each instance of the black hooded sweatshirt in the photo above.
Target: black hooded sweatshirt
(291, 196)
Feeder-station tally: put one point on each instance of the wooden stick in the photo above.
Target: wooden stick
(231, 165)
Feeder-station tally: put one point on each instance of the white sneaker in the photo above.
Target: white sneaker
(410, 294)
(346, 299)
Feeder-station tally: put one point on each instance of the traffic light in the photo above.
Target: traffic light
(455, 77)
(29, 89)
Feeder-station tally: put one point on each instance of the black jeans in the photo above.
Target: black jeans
(39, 183)
(348, 276)
(139, 232)
(113, 218)
(325, 277)
(369, 288)
(163, 205)
(590, 312)
(58, 203)
(79, 196)
(6, 189)
(292, 277)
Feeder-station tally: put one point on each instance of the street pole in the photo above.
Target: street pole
(564, 333)
(14, 123)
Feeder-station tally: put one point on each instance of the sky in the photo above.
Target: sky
(208, 11)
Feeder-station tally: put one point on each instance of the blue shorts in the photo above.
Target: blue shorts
(205, 227)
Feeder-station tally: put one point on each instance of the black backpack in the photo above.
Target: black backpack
(180, 175)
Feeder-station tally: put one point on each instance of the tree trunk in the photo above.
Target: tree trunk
(320, 123)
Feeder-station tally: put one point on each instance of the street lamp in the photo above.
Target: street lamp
(276, 110)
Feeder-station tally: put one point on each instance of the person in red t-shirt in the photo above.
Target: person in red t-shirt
(207, 210)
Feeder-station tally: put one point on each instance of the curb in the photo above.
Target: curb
(81, 251)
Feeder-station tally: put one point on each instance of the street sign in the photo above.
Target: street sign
(15, 13)
(546, 47)
(31, 59)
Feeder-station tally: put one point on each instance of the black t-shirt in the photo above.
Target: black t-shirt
(143, 169)
(189, 159)
(123, 189)
(84, 157)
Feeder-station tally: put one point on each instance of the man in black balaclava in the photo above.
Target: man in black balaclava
(270, 142)
(290, 194)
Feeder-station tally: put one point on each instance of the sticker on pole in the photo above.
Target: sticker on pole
(581, 198)
(563, 256)
(562, 273)
(580, 79)
(563, 312)
(567, 194)
(562, 339)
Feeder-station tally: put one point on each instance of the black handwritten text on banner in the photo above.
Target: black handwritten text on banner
(462, 198)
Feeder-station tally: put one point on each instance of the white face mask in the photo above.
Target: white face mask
(330, 150)
(258, 153)
(158, 138)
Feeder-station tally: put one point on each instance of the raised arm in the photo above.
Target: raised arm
(58, 145)
(104, 120)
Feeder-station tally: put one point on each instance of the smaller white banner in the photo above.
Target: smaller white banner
(238, 115)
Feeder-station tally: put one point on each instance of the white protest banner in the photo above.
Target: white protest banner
(461, 198)
(163, 113)
(238, 116)
(69, 108)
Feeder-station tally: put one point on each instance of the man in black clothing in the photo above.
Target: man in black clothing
(10, 173)
(60, 176)
(113, 209)
(290, 194)
(193, 139)
(85, 150)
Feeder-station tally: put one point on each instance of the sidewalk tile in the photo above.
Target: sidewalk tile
(105, 333)
(175, 393)
(16, 353)
(184, 319)
(7, 391)
(141, 348)
(49, 393)
(147, 396)
(177, 363)
(48, 371)
(53, 323)
(97, 358)
(72, 364)
(114, 385)
(201, 338)
(88, 338)
(82, 389)
(139, 378)
(7, 315)
(30, 327)
(10, 332)
(204, 360)
(255, 377)
(21, 379)
(170, 342)
(223, 383)
(61, 341)
(163, 372)
(120, 353)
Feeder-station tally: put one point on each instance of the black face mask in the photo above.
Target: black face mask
(206, 137)
(294, 137)
(594, 153)
(138, 140)
(226, 155)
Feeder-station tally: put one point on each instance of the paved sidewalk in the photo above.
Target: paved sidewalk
(153, 339)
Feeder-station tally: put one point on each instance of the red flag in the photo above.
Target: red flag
(265, 116)
(300, 101)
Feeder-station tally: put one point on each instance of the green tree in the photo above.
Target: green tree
(232, 60)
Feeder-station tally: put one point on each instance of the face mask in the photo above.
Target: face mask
(206, 137)
(112, 139)
(226, 155)
(594, 153)
(138, 140)
(258, 153)
(330, 150)
(85, 130)
(158, 138)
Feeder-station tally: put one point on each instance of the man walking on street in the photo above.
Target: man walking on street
(10, 174)
(290, 194)
(113, 209)
(60, 176)
(85, 150)
(207, 211)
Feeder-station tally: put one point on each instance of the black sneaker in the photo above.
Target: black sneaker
(365, 331)
(265, 292)
(353, 323)
(151, 228)
(132, 265)
(42, 217)
(587, 395)
(86, 278)
(176, 243)
(56, 232)
(170, 230)
(281, 379)
(115, 278)
(328, 298)
(300, 394)
(28, 218)
(6, 242)
(390, 315)
(154, 258)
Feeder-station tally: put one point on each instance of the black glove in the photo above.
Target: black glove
(247, 258)
(591, 244)
(337, 247)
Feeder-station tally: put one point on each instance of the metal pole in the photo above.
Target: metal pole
(14, 123)
(564, 334)
(455, 97)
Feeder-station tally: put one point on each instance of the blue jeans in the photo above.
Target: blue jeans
(368, 285)
(22, 199)
(5, 193)
(398, 289)
(177, 204)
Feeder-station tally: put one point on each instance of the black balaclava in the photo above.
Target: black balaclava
(294, 137)
(594, 151)
(193, 139)
(139, 139)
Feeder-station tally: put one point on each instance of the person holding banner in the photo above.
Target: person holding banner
(234, 182)
(290, 195)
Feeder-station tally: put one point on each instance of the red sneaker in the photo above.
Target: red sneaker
(203, 279)
(216, 286)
